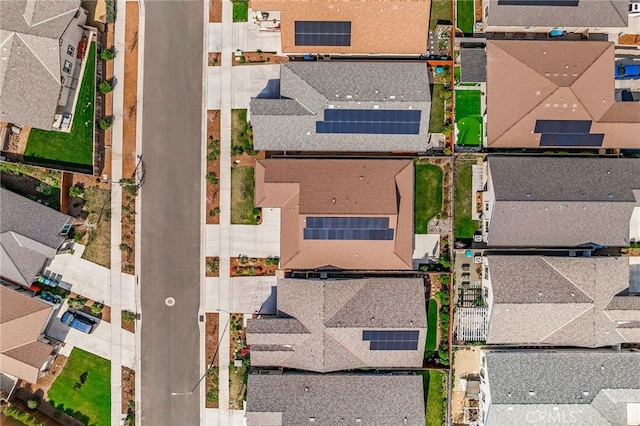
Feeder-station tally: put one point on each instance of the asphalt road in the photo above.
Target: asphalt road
(170, 245)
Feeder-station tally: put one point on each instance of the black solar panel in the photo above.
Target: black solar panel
(347, 228)
(570, 139)
(538, 2)
(322, 33)
(370, 121)
(391, 340)
(563, 126)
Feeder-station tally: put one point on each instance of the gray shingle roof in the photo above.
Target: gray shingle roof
(545, 201)
(588, 13)
(30, 31)
(295, 399)
(558, 377)
(323, 323)
(560, 301)
(28, 236)
(473, 65)
(308, 88)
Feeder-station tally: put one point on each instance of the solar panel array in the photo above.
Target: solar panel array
(391, 340)
(567, 133)
(347, 228)
(322, 33)
(538, 2)
(370, 121)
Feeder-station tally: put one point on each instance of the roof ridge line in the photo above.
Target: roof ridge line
(56, 78)
(565, 277)
(362, 285)
(568, 322)
(50, 19)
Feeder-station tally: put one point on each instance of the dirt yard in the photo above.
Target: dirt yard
(215, 59)
(253, 266)
(215, 10)
(467, 362)
(258, 58)
(130, 90)
(213, 266)
(629, 39)
(213, 166)
(128, 388)
(128, 323)
(212, 332)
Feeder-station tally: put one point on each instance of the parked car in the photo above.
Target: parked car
(628, 71)
(78, 321)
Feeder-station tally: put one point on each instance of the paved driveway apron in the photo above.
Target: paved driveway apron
(171, 141)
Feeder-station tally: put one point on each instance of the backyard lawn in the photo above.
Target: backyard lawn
(75, 149)
(432, 326)
(434, 389)
(240, 11)
(436, 119)
(468, 117)
(463, 225)
(466, 16)
(243, 211)
(241, 133)
(440, 12)
(83, 389)
(428, 200)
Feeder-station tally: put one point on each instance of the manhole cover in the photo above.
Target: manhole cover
(170, 301)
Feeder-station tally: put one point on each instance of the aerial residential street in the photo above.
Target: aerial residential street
(171, 143)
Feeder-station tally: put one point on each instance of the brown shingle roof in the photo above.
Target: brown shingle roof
(389, 27)
(373, 188)
(554, 80)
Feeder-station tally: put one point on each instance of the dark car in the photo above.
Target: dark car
(78, 321)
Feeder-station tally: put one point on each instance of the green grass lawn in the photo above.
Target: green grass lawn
(456, 74)
(432, 326)
(466, 17)
(435, 395)
(75, 149)
(243, 211)
(91, 402)
(436, 118)
(240, 11)
(468, 117)
(241, 133)
(428, 200)
(440, 11)
(463, 225)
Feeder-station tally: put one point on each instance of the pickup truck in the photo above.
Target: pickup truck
(78, 321)
(627, 71)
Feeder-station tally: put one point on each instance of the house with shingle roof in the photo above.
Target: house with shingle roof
(541, 16)
(562, 301)
(561, 202)
(556, 95)
(30, 236)
(328, 399)
(578, 387)
(334, 325)
(340, 213)
(346, 107)
(362, 27)
(23, 353)
(39, 66)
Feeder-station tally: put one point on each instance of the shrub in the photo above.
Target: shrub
(107, 54)
(105, 87)
(212, 265)
(23, 418)
(212, 178)
(212, 395)
(104, 123)
(96, 308)
(128, 316)
(75, 191)
(32, 404)
(111, 11)
(214, 212)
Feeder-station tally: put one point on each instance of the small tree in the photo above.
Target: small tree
(212, 178)
(105, 87)
(107, 54)
(104, 123)
(75, 191)
(32, 404)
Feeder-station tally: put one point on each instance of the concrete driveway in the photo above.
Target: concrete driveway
(97, 342)
(248, 295)
(249, 81)
(91, 280)
(251, 240)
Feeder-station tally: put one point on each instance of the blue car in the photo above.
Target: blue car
(628, 71)
(78, 321)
